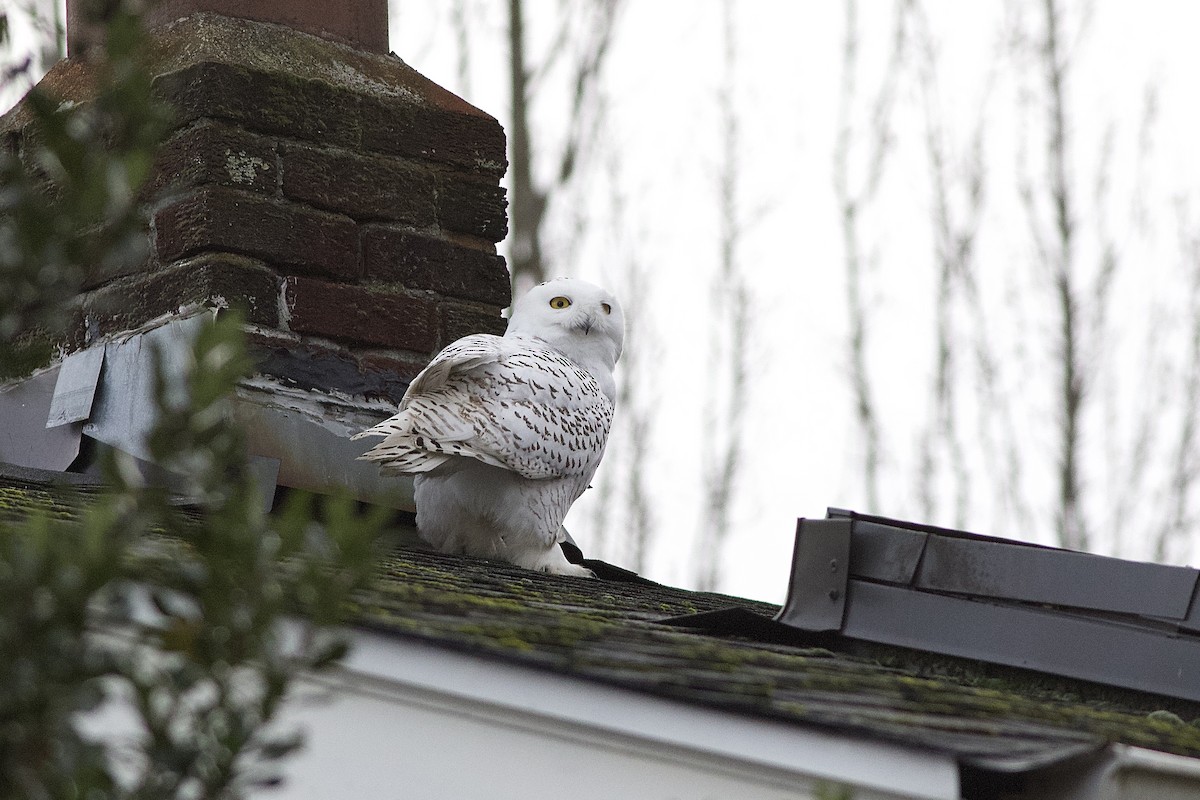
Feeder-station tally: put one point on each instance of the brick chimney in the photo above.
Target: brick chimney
(348, 202)
(361, 24)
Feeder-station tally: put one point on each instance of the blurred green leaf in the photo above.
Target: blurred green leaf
(221, 574)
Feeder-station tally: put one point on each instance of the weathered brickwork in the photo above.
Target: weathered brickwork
(293, 238)
(347, 203)
(396, 255)
(359, 314)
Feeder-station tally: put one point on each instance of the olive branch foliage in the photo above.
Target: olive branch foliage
(191, 620)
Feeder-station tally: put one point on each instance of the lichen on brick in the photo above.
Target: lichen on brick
(242, 167)
(348, 75)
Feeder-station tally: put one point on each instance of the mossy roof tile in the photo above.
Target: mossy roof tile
(611, 633)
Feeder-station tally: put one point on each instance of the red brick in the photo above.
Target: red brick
(135, 259)
(472, 204)
(457, 321)
(395, 111)
(209, 279)
(271, 103)
(361, 24)
(286, 235)
(358, 314)
(418, 261)
(214, 153)
(279, 81)
(439, 131)
(366, 187)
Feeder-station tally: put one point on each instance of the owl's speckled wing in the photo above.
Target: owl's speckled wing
(509, 401)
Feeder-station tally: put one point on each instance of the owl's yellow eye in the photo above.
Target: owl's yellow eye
(560, 302)
(606, 308)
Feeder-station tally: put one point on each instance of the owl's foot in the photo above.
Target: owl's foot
(568, 569)
(553, 562)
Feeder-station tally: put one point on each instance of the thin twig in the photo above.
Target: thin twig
(851, 202)
(725, 406)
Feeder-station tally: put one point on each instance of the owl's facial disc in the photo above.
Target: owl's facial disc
(577, 317)
(582, 319)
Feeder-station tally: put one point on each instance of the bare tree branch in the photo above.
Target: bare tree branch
(851, 201)
(530, 198)
(557, 47)
(955, 232)
(623, 519)
(1071, 523)
(636, 401)
(462, 41)
(724, 412)
(585, 85)
(528, 203)
(1171, 539)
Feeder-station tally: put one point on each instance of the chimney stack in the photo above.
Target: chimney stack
(361, 24)
(349, 204)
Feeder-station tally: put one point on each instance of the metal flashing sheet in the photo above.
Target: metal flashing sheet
(817, 591)
(1191, 622)
(1071, 614)
(884, 553)
(1027, 637)
(124, 410)
(24, 438)
(1056, 577)
(315, 453)
(78, 377)
(939, 560)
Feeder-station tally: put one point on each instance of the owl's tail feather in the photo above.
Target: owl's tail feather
(410, 448)
(398, 424)
(402, 459)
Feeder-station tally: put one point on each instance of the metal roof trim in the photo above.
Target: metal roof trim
(1075, 615)
(959, 562)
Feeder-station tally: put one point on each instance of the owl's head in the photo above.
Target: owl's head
(581, 320)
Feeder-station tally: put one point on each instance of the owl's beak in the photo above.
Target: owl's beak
(585, 324)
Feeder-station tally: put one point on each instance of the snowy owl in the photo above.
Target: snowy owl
(503, 433)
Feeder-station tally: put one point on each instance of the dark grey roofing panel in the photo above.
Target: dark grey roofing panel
(886, 553)
(1069, 614)
(1192, 621)
(15, 475)
(1031, 638)
(1060, 577)
(964, 563)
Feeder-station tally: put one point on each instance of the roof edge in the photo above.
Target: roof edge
(542, 697)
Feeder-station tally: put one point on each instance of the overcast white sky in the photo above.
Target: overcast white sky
(663, 129)
(660, 140)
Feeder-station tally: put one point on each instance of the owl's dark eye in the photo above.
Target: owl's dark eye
(606, 308)
(560, 302)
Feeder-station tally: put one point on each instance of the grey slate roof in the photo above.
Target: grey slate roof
(613, 632)
(990, 719)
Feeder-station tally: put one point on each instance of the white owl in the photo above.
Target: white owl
(503, 433)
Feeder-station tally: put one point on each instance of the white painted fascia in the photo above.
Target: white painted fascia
(1136, 773)
(513, 698)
